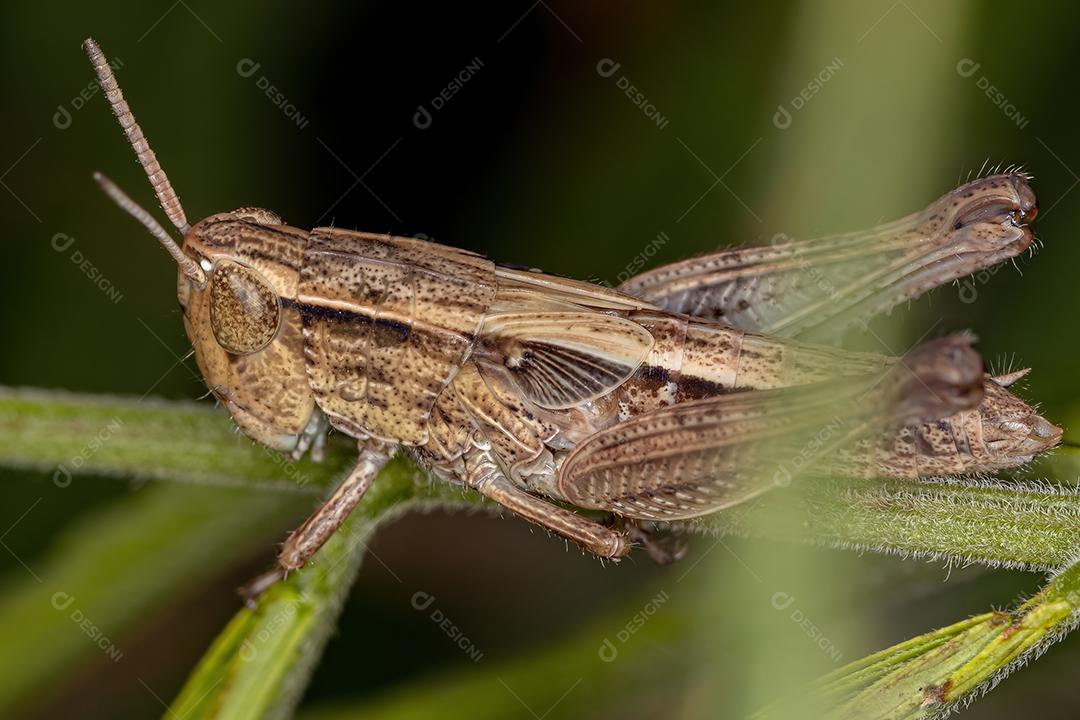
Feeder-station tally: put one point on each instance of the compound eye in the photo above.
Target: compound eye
(244, 310)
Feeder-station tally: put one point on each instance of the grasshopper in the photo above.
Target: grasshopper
(681, 393)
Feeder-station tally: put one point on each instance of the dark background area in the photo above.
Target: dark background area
(537, 159)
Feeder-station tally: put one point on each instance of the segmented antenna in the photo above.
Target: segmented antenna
(158, 179)
(189, 266)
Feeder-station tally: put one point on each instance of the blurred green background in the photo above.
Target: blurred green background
(508, 129)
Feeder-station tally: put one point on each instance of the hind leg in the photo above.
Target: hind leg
(484, 474)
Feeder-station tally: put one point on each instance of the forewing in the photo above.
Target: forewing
(534, 290)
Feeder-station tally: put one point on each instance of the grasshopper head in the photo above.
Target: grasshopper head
(244, 324)
(237, 287)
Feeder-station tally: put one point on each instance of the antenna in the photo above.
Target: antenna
(158, 179)
(132, 208)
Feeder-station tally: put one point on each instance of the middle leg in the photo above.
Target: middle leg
(306, 540)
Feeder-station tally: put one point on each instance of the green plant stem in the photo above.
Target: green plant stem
(1023, 525)
(259, 665)
(934, 673)
(63, 433)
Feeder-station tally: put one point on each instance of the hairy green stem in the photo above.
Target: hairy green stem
(935, 673)
(65, 434)
(260, 664)
(1023, 525)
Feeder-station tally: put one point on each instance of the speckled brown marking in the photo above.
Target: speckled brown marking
(934, 695)
(381, 315)
(695, 359)
(522, 385)
(449, 428)
(515, 438)
(1013, 628)
(695, 457)
(656, 383)
(387, 324)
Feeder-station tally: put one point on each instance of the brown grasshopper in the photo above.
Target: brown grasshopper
(658, 401)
